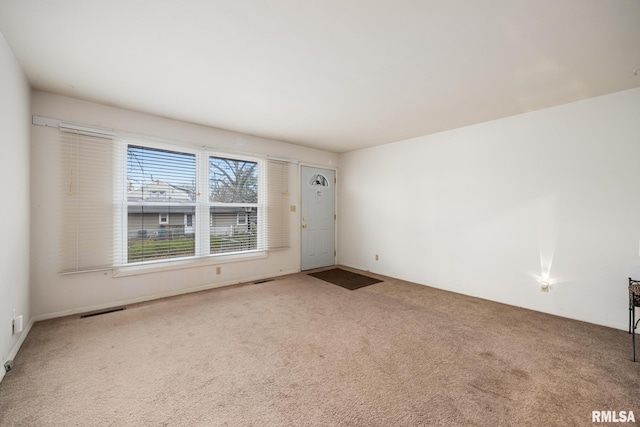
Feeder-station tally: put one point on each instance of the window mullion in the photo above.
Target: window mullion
(202, 206)
(120, 247)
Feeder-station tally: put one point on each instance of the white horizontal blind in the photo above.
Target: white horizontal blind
(161, 204)
(277, 225)
(86, 191)
(233, 204)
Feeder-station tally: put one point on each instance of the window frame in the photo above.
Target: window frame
(201, 220)
(239, 216)
(166, 218)
(258, 206)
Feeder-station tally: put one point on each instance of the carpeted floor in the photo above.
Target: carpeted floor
(300, 351)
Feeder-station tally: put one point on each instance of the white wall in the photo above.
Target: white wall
(488, 209)
(55, 295)
(15, 119)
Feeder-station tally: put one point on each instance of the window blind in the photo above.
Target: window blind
(234, 195)
(277, 222)
(86, 191)
(161, 204)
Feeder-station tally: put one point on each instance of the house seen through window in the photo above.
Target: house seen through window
(163, 204)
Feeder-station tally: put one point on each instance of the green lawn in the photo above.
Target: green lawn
(140, 250)
(148, 249)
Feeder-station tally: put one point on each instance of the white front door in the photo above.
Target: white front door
(188, 223)
(318, 208)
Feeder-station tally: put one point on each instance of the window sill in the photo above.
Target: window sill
(155, 267)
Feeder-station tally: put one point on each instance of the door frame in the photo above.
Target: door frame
(335, 205)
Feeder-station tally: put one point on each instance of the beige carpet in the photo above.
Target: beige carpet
(302, 352)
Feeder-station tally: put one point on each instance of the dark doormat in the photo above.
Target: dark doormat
(344, 278)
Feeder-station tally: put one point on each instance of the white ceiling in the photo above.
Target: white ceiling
(332, 74)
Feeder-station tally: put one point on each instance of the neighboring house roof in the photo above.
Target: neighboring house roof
(183, 209)
(163, 192)
(148, 209)
(160, 191)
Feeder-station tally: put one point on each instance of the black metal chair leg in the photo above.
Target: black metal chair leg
(633, 342)
(634, 301)
(633, 334)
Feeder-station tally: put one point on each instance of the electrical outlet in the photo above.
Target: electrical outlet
(377, 257)
(218, 271)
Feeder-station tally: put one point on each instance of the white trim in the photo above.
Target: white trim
(45, 121)
(158, 296)
(246, 219)
(65, 126)
(561, 313)
(280, 159)
(16, 347)
(191, 262)
(186, 220)
(85, 130)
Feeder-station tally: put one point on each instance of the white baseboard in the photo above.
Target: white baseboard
(555, 312)
(16, 347)
(157, 296)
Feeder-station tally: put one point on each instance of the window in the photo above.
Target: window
(86, 199)
(161, 184)
(233, 201)
(165, 183)
(131, 203)
(319, 180)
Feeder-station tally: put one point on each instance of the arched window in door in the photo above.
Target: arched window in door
(319, 180)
